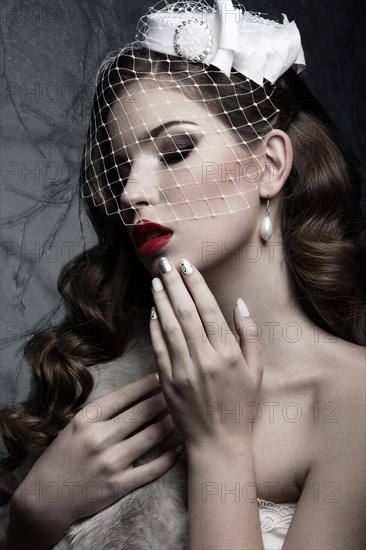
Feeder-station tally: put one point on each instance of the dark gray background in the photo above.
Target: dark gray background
(50, 54)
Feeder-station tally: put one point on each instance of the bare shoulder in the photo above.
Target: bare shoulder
(342, 392)
(333, 495)
(345, 374)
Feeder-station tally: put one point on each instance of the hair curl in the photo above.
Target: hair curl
(321, 222)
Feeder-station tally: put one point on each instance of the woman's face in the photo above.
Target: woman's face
(189, 173)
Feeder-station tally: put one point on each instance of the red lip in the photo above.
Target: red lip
(142, 229)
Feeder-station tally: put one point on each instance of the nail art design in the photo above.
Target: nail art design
(157, 284)
(186, 266)
(242, 307)
(153, 315)
(164, 265)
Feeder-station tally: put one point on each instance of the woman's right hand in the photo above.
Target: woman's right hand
(89, 465)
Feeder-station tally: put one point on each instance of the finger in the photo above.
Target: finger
(248, 337)
(141, 475)
(203, 330)
(159, 346)
(185, 311)
(126, 423)
(132, 448)
(170, 327)
(108, 405)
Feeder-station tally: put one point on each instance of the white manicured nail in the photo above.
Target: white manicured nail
(157, 377)
(185, 266)
(157, 284)
(242, 307)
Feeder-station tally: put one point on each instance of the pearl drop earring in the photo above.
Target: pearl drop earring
(266, 225)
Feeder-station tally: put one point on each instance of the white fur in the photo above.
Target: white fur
(154, 516)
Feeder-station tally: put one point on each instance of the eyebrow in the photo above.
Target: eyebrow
(156, 131)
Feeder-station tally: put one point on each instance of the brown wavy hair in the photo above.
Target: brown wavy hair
(321, 223)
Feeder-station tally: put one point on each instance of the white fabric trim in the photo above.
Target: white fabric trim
(256, 47)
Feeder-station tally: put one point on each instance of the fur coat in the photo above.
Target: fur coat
(152, 517)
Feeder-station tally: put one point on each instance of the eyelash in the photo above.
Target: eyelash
(173, 157)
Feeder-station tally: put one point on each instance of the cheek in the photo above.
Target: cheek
(229, 183)
(237, 230)
(221, 236)
(216, 189)
(192, 192)
(214, 182)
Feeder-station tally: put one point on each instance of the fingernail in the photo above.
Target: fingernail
(157, 284)
(153, 315)
(185, 266)
(180, 448)
(242, 307)
(164, 265)
(157, 377)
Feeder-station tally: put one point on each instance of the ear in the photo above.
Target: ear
(278, 158)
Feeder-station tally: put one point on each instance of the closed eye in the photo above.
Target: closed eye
(175, 156)
(176, 150)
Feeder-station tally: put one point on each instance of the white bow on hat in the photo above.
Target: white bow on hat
(228, 38)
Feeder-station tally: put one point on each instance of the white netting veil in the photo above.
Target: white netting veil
(179, 115)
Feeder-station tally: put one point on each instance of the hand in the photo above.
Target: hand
(204, 374)
(89, 464)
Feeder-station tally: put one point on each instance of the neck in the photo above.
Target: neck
(260, 276)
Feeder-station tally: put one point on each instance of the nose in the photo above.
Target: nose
(141, 187)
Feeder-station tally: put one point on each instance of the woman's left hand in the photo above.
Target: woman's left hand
(209, 380)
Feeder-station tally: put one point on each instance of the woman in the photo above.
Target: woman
(257, 329)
